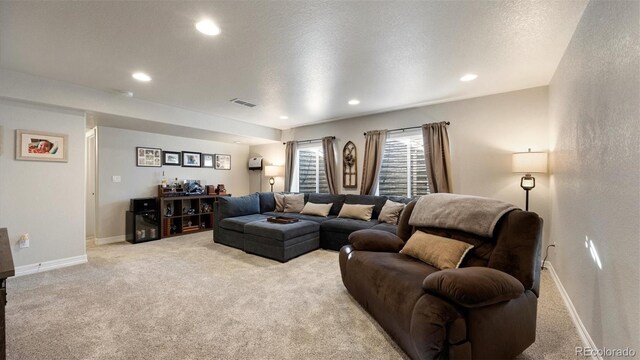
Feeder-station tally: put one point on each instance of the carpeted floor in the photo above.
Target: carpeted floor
(188, 298)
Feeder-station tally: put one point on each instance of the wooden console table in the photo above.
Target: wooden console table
(6, 270)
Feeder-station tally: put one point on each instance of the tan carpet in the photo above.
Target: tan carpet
(188, 298)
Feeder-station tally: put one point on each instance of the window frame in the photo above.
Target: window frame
(319, 152)
(405, 137)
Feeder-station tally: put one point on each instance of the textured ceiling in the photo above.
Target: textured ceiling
(300, 59)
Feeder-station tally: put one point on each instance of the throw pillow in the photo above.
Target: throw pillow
(279, 202)
(390, 212)
(436, 251)
(358, 212)
(293, 203)
(316, 209)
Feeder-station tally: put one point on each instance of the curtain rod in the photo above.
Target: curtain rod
(310, 140)
(407, 128)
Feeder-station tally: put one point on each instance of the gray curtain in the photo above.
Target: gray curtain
(330, 162)
(373, 152)
(290, 152)
(436, 153)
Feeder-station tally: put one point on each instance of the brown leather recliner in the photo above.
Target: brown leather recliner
(486, 309)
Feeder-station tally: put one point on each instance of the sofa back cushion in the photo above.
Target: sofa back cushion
(514, 248)
(230, 206)
(267, 202)
(337, 201)
(376, 201)
(401, 199)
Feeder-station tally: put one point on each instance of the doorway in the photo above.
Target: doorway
(90, 148)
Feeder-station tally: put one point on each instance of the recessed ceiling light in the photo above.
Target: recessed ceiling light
(140, 76)
(354, 102)
(468, 77)
(237, 142)
(208, 27)
(284, 117)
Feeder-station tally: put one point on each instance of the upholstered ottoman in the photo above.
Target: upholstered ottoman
(281, 241)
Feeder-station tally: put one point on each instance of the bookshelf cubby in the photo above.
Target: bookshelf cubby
(185, 214)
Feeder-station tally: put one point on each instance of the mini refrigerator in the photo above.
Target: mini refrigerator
(143, 220)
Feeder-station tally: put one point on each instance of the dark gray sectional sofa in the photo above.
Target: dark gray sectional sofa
(241, 222)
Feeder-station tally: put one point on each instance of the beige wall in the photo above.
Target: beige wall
(484, 132)
(272, 154)
(116, 157)
(43, 199)
(595, 181)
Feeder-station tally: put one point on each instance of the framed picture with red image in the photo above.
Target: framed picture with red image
(41, 146)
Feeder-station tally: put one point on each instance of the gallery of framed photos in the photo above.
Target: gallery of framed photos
(156, 157)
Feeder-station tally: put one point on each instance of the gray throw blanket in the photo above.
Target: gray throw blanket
(473, 214)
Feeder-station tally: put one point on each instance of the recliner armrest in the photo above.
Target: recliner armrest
(473, 287)
(375, 240)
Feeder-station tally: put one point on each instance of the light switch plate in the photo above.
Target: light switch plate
(116, 179)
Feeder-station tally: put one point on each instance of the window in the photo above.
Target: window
(311, 174)
(403, 171)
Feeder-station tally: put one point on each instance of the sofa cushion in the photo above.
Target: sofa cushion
(346, 226)
(237, 223)
(337, 200)
(391, 283)
(279, 200)
(386, 227)
(281, 232)
(400, 199)
(436, 250)
(356, 211)
(390, 212)
(267, 201)
(316, 209)
(377, 201)
(375, 240)
(232, 206)
(293, 203)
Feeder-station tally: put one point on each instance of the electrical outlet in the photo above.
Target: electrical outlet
(24, 241)
(116, 179)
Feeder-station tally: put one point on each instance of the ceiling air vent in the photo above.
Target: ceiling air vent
(241, 102)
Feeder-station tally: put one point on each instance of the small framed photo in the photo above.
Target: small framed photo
(148, 157)
(222, 162)
(41, 146)
(191, 159)
(171, 158)
(207, 160)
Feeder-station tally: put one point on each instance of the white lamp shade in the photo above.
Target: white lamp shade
(529, 162)
(273, 171)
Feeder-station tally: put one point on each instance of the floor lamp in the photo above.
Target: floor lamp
(528, 163)
(273, 171)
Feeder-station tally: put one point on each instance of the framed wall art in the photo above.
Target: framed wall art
(191, 159)
(207, 160)
(41, 146)
(171, 158)
(349, 166)
(148, 157)
(222, 162)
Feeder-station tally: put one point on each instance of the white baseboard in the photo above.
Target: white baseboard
(587, 342)
(110, 240)
(50, 265)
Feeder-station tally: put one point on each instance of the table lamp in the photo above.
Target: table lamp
(527, 163)
(273, 171)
